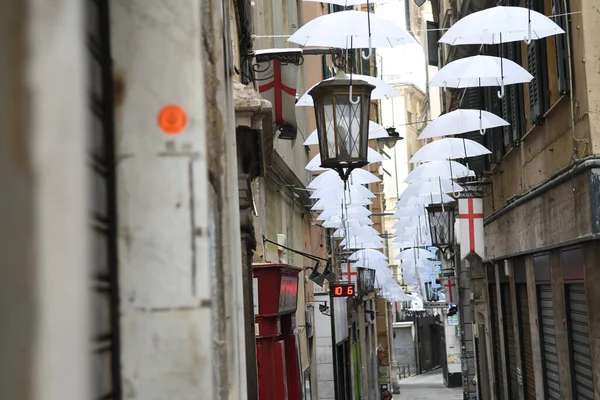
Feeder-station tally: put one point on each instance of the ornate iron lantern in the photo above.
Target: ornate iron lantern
(342, 107)
(441, 224)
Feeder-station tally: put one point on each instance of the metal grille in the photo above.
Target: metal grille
(105, 380)
(583, 387)
(511, 349)
(526, 344)
(548, 340)
(498, 370)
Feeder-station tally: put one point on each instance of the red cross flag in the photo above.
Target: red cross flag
(349, 273)
(277, 82)
(450, 290)
(470, 214)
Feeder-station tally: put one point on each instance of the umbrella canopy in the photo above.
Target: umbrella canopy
(433, 187)
(438, 169)
(382, 90)
(461, 121)
(357, 176)
(355, 190)
(480, 71)
(447, 149)
(415, 253)
(376, 131)
(422, 201)
(347, 29)
(500, 24)
(315, 163)
(367, 254)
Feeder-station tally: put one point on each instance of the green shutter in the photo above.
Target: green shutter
(537, 66)
(562, 58)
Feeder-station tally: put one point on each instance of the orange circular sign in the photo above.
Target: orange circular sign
(172, 119)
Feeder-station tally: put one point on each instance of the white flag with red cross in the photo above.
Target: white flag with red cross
(470, 214)
(349, 273)
(277, 82)
(449, 285)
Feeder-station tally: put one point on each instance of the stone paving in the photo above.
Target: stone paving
(428, 386)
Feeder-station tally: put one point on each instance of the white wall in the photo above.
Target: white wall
(324, 352)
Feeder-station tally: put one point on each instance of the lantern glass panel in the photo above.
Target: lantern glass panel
(441, 224)
(342, 126)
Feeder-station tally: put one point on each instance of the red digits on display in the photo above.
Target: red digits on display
(350, 290)
(338, 291)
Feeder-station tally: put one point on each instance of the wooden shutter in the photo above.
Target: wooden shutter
(526, 343)
(106, 381)
(433, 35)
(473, 99)
(366, 64)
(517, 109)
(579, 338)
(562, 59)
(536, 65)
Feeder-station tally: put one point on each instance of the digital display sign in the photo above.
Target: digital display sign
(341, 290)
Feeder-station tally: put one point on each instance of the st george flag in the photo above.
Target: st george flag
(449, 284)
(349, 273)
(470, 214)
(277, 82)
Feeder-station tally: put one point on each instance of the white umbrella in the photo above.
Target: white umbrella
(415, 253)
(376, 131)
(423, 200)
(357, 176)
(461, 121)
(355, 190)
(438, 169)
(354, 211)
(315, 163)
(356, 29)
(497, 25)
(382, 90)
(433, 187)
(447, 149)
(346, 3)
(368, 253)
(481, 71)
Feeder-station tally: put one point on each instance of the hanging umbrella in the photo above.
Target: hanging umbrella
(447, 149)
(315, 163)
(354, 190)
(438, 169)
(356, 29)
(382, 90)
(461, 121)
(423, 200)
(433, 187)
(346, 3)
(501, 24)
(368, 253)
(354, 211)
(481, 71)
(376, 131)
(357, 176)
(415, 253)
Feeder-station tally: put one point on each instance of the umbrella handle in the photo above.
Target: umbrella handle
(351, 99)
(367, 56)
(501, 91)
(481, 129)
(445, 86)
(528, 38)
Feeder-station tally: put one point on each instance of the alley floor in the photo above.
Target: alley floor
(428, 386)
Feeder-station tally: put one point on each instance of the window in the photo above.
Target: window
(537, 66)
(562, 59)
(433, 35)
(409, 119)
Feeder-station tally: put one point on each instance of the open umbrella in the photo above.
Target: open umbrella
(315, 163)
(461, 121)
(382, 90)
(356, 29)
(501, 24)
(447, 149)
(438, 169)
(481, 71)
(376, 131)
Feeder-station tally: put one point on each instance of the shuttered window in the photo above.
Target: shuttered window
(583, 384)
(548, 341)
(497, 331)
(562, 59)
(432, 37)
(537, 62)
(106, 382)
(526, 343)
(511, 348)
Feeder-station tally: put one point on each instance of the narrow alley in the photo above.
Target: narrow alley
(428, 386)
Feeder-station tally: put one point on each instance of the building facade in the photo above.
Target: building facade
(534, 303)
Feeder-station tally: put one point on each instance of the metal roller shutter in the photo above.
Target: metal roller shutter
(513, 385)
(583, 387)
(498, 370)
(548, 341)
(106, 363)
(527, 352)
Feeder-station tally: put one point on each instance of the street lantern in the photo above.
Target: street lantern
(342, 108)
(441, 224)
